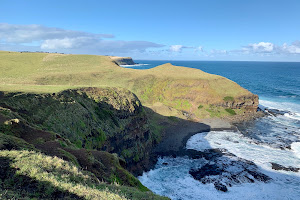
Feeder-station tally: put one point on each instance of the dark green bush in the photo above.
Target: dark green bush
(230, 111)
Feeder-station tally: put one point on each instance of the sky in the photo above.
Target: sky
(241, 30)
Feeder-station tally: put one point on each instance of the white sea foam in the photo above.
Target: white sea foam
(296, 149)
(285, 106)
(135, 65)
(295, 116)
(265, 143)
(174, 181)
(244, 147)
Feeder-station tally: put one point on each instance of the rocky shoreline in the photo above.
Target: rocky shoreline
(176, 136)
(218, 160)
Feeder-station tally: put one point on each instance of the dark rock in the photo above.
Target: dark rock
(280, 167)
(206, 170)
(275, 112)
(227, 170)
(259, 176)
(220, 186)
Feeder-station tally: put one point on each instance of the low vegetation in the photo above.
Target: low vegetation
(228, 98)
(181, 88)
(90, 118)
(76, 126)
(230, 111)
(29, 174)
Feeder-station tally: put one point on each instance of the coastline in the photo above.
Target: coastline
(176, 135)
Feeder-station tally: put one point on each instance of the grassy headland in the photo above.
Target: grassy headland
(179, 91)
(82, 109)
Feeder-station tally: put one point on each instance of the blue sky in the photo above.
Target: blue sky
(255, 30)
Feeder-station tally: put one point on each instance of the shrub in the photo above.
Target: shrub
(228, 98)
(230, 111)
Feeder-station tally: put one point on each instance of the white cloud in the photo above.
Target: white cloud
(58, 39)
(176, 48)
(215, 51)
(294, 48)
(12, 33)
(270, 48)
(200, 48)
(261, 47)
(65, 43)
(179, 48)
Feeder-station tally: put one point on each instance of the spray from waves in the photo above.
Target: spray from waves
(171, 175)
(281, 105)
(296, 148)
(246, 148)
(273, 139)
(295, 116)
(291, 109)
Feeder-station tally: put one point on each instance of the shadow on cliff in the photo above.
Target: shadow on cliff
(174, 133)
(14, 185)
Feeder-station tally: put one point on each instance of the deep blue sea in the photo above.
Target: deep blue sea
(271, 80)
(271, 139)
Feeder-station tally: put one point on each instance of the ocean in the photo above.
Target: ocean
(268, 146)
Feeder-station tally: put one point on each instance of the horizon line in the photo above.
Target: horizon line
(218, 60)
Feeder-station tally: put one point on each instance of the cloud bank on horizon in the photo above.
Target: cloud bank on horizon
(16, 37)
(42, 38)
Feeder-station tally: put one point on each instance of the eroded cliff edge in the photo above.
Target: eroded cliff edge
(122, 60)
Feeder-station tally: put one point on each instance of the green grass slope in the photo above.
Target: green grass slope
(36, 163)
(107, 119)
(34, 175)
(180, 88)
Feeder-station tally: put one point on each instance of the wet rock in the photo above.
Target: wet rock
(281, 167)
(206, 170)
(228, 170)
(220, 186)
(275, 112)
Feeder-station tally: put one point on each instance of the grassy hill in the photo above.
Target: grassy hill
(179, 91)
(76, 144)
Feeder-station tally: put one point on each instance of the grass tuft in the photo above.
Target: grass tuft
(228, 98)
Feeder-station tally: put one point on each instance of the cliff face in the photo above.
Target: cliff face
(194, 93)
(38, 164)
(122, 60)
(248, 102)
(108, 119)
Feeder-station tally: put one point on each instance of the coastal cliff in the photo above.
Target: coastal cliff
(122, 60)
(102, 130)
(180, 91)
(110, 121)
